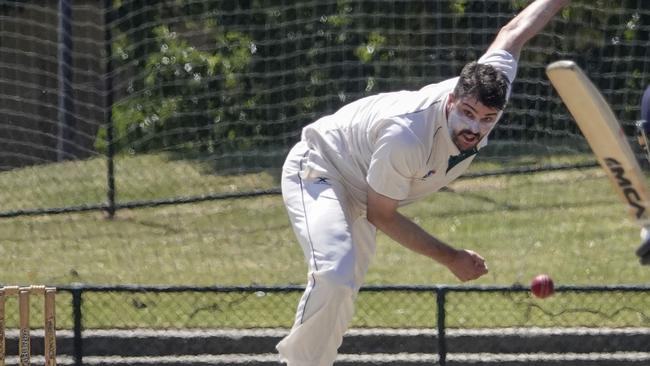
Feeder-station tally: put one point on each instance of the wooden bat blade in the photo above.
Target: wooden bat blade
(604, 135)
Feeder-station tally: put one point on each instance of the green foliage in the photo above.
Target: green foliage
(458, 6)
(222, 79)
(184, 93)
(368, 51)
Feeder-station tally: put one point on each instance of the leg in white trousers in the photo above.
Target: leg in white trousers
(338, 248)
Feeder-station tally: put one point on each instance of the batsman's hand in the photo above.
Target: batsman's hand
(467, 265)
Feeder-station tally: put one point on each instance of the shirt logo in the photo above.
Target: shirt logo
(322, 180)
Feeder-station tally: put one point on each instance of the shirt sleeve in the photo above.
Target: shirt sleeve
(503, 61)
(394, 162)
(645, 105)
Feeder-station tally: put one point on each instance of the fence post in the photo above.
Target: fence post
(65, 79)
(77, 343)
(108, 85)
(441, 293)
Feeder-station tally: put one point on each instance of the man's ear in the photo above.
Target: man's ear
(451, 99)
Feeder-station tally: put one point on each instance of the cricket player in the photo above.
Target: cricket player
(645, 105)
(352, 170)
(644, 128)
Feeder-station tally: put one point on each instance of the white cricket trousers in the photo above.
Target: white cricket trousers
(338, 248)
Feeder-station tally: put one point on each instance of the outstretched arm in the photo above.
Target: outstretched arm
(526, 25)
(382, 212)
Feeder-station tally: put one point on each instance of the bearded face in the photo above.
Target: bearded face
(469, 121)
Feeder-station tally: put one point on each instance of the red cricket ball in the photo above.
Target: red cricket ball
(542, 286)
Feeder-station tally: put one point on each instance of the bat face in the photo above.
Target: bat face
(632, 196)
(606, 139)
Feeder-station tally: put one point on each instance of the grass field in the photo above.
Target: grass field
(569, 224)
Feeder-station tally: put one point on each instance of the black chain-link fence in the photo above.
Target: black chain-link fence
(393, 325)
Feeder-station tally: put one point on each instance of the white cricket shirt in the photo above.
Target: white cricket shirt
(397, 143)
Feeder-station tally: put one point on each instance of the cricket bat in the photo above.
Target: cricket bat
(606, 139)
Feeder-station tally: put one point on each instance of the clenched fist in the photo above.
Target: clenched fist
(467, 265)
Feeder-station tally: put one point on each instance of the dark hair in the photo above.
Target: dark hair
(484, 83)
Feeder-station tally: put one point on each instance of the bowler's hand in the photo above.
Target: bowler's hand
(467, 265)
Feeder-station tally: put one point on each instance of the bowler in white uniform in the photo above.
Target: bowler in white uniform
(352, 170)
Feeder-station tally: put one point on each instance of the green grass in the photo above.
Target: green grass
(569, 224)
